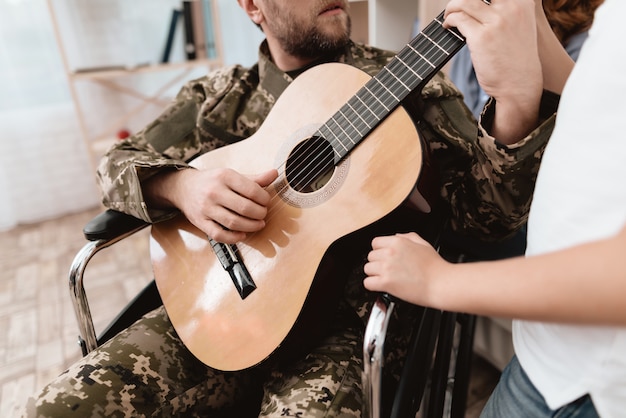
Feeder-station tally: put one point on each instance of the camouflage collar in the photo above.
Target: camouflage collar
(275, 80)
(271, 78)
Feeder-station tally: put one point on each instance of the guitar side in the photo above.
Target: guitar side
(220, 328)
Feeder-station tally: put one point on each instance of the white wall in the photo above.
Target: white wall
(240, 36)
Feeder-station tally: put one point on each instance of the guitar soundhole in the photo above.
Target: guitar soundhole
(310, 165)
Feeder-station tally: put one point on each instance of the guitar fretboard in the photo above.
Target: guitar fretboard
(409, 70)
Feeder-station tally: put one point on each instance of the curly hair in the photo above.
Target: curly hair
(569, 17)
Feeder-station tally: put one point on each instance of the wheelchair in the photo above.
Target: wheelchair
(435, 375)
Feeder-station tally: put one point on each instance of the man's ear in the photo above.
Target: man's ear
(252, 10)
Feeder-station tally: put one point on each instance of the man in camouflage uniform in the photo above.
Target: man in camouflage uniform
(146, 370)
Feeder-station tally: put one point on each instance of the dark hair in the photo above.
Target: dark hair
(570, 17)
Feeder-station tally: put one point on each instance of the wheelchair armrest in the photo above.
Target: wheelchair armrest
(102, 231)
(111, 224)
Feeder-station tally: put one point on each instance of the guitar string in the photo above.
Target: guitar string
(415, 53)
(431, 44)
(381, 93)
(407, 68)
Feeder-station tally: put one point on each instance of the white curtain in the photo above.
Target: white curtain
(44, 165)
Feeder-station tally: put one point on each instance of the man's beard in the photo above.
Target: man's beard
(313, 43)
(305, 41)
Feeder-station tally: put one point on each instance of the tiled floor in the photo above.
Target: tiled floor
(38, 329)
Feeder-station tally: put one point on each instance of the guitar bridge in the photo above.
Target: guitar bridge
(227, 254)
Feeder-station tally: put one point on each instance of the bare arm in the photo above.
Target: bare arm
(583, 284)
(555, 61)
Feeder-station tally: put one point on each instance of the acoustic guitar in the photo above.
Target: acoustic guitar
(347, 154)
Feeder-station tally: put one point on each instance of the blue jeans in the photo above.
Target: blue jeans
(516, 397)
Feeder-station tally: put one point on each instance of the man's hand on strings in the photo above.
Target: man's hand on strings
(224, 204)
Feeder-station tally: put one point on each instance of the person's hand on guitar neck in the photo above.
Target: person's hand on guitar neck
(223, 203)
(515, 55)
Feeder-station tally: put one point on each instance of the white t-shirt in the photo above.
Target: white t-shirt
(581, 196)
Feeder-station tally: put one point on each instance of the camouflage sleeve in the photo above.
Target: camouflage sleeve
(169, 142)
(487, 185)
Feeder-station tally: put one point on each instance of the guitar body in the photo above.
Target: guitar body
(228, 332)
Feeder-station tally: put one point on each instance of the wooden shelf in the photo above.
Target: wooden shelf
(115, 79)
(120, 71)
(382, 23)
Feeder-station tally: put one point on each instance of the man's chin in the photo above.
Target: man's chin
(335, 23)
(336, 33)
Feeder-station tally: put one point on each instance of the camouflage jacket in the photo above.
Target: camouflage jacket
(487, 186)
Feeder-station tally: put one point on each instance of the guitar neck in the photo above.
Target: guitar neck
(409, 70)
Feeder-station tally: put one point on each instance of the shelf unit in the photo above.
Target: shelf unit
(382, 23)
(113, 79)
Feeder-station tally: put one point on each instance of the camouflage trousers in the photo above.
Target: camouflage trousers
(145, 371)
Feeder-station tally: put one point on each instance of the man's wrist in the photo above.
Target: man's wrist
(161, 190)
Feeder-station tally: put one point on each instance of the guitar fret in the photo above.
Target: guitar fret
(365, 106)
(354, 117)
(410, 78)
(399, 80)
(336, 134)
(325, 132)
(393, 90)
(349, 120)
(449, 40)
(410, 69)
(359, 116)
(343, 131)
(345, 138)
(436, 44)
(376, 97)
(362, 110)
(388, 89)
(422, 57)
(448, 32)
(412, 66)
